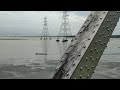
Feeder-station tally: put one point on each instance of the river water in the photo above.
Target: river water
(19, 58)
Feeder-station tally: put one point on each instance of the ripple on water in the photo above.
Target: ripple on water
(23, 71)
(107, 70)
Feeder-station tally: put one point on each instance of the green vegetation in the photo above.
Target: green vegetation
(115, 36)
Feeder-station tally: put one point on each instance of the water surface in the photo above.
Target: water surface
(18, 58)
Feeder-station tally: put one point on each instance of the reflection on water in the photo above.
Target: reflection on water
(62, 46)
(45, 48)
(18, 58)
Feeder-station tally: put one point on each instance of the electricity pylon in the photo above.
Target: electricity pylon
(45, 32)
(65, 30)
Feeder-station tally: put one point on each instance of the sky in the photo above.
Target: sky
(27, 23)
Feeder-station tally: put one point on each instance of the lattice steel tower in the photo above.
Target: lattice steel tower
(45, 33)
(65, 30)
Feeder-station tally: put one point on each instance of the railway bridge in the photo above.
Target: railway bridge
(82, 56)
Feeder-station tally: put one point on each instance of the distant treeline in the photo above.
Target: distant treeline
(115, 36)
(58, 36)
(37, 36)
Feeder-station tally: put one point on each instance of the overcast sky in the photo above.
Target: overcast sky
(31, 22)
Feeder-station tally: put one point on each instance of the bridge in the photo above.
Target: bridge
(82, 56)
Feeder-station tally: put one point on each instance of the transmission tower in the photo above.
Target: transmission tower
(45, 33)
(65, 30)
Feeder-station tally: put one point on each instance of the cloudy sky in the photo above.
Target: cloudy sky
(31, 22)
